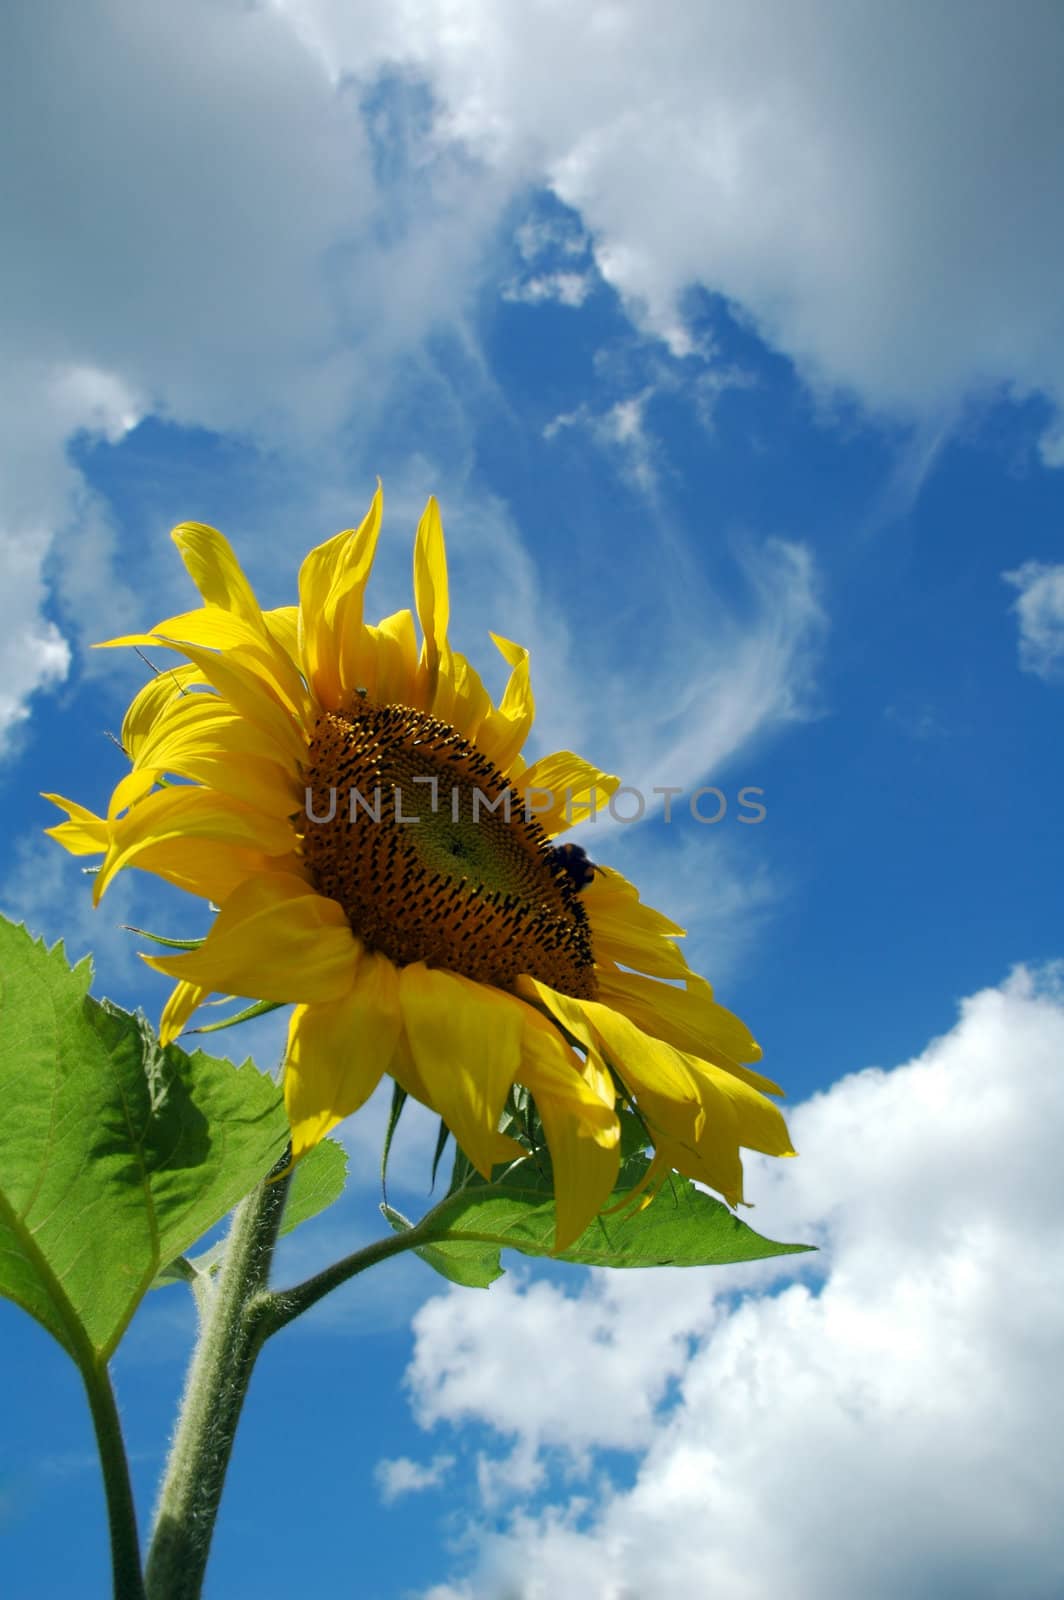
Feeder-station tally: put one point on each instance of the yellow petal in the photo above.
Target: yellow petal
(614, 905)
(207, 625)
(274, 939)
(715, 1161)
(211, 869)
(394, 660)
(758, 1122)
(131, 789)
(431, 596)
(652, 1070)
(337, 1052)
(689, 1020)
(180, 814)
(189, 722)
(503, 732)
(660, 958)
(213, 628)
(470, 702)
(184, 1000)
(85, 834)
(199, 737)
(239, 678)
(561, 1007)
(734, 1117)
(577, 789)
(218, 576)
(151, 702)
(581, 1128)
(646, 1064)
(215, 570)
(332, 582)
(262, 784)
(282, 624)
(465, 1040)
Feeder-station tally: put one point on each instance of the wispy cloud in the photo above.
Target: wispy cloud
(621, 432)
(1040, 612)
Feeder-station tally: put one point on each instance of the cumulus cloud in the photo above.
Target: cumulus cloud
(886, 1420)
(1040, 611)
(871, 186)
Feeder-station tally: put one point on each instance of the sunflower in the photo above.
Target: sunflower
(358, 809)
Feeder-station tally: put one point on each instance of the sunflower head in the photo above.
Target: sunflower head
(382, 856)
(417, 835)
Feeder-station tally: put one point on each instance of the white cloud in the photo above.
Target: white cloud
(215, 225)
(1040, 609)
(870, 185)
(1051, 444)
(621, 431)
(537, 237)
(199, 231)
(550, 248)
(401, 1476)
(567, 288)
(710, 678)
(890, 1425)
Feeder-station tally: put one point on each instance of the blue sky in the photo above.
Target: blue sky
(730, 342)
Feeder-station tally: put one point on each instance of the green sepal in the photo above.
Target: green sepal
(399, 1099)
(260, 1008)
(159, 938)
(443, 1133)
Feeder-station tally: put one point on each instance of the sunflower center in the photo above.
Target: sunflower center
(432, 856)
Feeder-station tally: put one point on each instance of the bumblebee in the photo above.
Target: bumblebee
(573, 861)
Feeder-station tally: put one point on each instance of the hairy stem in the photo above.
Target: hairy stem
(121, 1513)
(230, 1338)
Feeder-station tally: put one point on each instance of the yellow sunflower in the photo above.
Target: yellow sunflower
(359, 810)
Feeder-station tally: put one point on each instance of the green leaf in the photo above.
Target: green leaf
(469, 1263)
(115, 1155)
(681, 1227)
(317, 1181)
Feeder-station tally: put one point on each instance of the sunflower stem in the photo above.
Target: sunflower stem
(121, 1513)
(231, 1336)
